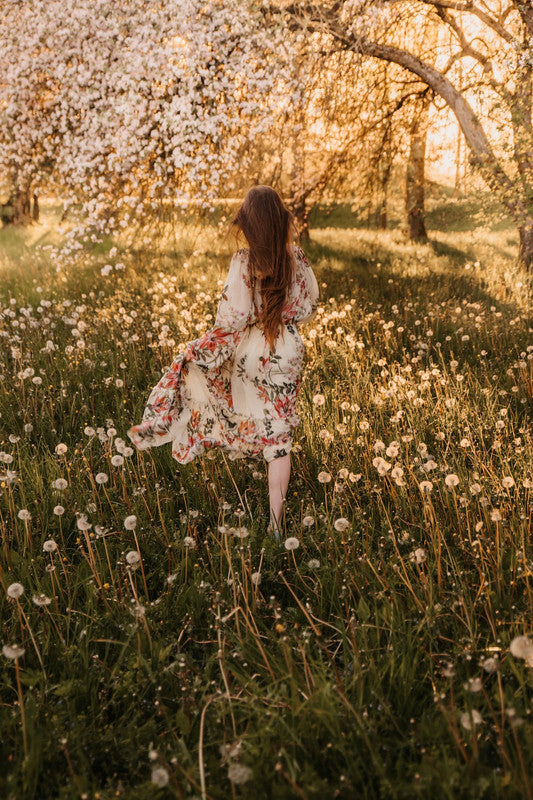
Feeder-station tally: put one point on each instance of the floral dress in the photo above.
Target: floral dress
(226, 389)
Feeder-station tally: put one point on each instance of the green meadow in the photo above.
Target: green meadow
(156, 642)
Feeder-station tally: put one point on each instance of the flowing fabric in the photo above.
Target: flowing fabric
(227, 389)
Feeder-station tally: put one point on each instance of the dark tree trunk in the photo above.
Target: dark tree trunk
(382, 214)
(526, 245)
(17, 210)
(35, 210)
(415, 178)
(301, 216)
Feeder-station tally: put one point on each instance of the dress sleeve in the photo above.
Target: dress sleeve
(308, 296)
(233, 315)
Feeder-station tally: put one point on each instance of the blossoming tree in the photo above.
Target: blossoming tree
(125, 106)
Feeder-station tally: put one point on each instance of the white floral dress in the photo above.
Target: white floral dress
(226, 389)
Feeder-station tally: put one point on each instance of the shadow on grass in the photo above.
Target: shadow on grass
(356, 274)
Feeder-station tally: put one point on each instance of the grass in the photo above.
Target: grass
(348, 667)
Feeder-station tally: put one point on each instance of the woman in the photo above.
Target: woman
(236, 386)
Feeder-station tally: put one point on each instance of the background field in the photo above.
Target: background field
(348, 667)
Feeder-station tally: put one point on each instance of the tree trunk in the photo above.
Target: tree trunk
(526, 245)
(17, 209)
(301, 216)
(35, 210)
(482, 154)
(415, 177)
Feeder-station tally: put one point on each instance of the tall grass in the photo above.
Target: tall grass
(170, 648)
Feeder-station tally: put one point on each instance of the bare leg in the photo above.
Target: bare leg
(279, 471)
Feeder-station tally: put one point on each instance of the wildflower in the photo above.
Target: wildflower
(130, 522)
(239, 773)
(160, 776)
(521, 647)
(451, 480)
(292, 543)
(448, 671)
(241, 533)
(101, 477)
(514, 720)
(419, 555)
(117, 461)
(473, 685)
(364, 425)
(256, 578)
(49, 546)
(24, 514)
(82, 523)
(59, 483)
(13, 652)
(527, 483)
(61, 449)
(354, 478)
(343, 473)
(469, 719)
(381, 465)
(59, 510)
(341, 524)
(429, 465)
(507, 482)
(189, 542)
(392, 450)
(133, 557)
(15, 590)
(319, 400)
(426, 487)
(490, 664)
(324, 477)
(475, 488)
(495, 515)
(41, 600)
(313, 563)
(307, 522)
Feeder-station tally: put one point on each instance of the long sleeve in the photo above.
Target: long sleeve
(304, 305)
(233, 314)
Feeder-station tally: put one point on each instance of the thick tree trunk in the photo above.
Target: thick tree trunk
(415, 178)
(526, 245)
(17, 210)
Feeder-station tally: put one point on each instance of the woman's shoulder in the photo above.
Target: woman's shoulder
(299, 254)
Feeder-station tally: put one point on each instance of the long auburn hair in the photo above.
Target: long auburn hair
(268, 227)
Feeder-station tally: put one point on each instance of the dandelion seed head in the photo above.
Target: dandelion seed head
(292, 543)
(41, 600)
(239, 773)
(13, 651)
(133, 557)
(160, 776)
(522, 647)
(451, 480)
(341, 524)
(470, 720)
